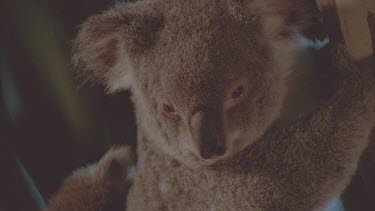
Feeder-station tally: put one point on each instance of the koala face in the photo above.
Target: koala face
(207, 78)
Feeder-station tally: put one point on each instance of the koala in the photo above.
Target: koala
(100, 187)
(228, 116)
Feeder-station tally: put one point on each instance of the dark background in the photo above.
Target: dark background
(49, 123)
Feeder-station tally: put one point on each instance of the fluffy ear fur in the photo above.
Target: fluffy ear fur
(110, 38)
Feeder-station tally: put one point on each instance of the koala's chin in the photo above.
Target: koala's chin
(191, 159)
(194, 162)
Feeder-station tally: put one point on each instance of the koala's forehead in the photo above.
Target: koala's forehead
(203, 48)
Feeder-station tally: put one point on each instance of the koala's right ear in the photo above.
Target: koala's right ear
(105, 42)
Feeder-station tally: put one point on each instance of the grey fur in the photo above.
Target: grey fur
(282, 153)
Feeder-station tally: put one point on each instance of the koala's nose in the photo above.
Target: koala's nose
(207, 131)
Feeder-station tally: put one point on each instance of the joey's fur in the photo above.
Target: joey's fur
(281, 144)
(100, 187)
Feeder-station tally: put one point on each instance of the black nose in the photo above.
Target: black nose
(209, 151)
(207, 133)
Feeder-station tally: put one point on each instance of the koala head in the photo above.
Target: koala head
(207, 77)
(101, 187)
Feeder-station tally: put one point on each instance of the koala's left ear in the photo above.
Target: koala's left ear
(114, 165)
(106, 42)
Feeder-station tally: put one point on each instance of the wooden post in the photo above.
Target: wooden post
(346, 21)
(353, 21)
(371, 23)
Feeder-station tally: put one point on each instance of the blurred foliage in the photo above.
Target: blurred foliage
(48, 121)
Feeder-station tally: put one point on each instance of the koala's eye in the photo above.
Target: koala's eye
(235, 96)
(168, 109)
(238, 92)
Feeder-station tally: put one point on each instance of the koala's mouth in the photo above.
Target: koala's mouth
(210, 152)
(229, 148)
(195, 161)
